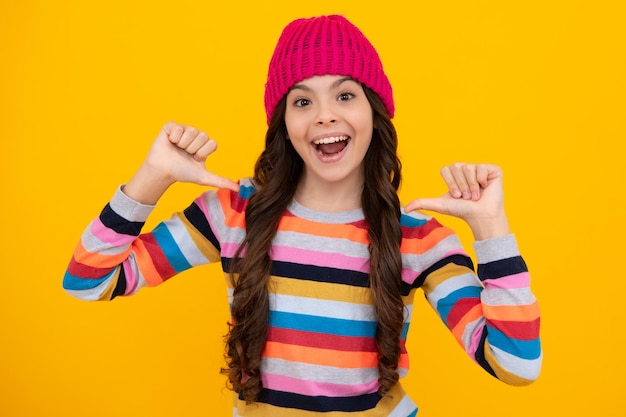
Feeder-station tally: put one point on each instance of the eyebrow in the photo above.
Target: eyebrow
(335, 84)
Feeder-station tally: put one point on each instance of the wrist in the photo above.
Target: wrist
(489, 228)
(147, 185)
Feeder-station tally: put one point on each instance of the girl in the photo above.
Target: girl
(321, 262)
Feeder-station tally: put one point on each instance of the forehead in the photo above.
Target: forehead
(323, 82)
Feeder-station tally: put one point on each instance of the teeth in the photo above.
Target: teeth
(331, 139)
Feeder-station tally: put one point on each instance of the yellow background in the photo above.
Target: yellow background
(536, 86)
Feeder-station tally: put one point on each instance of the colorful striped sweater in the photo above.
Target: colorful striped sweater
(320, 354)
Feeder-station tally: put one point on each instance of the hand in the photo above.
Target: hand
(475, 194)
(178, 154)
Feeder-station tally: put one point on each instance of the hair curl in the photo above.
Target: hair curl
(276, 175)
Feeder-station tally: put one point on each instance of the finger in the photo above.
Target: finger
(189, 134)
(173, 131)
(470, 172)
(197, 143)
(448, 177)
(460, 173)
(493, 172)
(205, 150)
(482, 175)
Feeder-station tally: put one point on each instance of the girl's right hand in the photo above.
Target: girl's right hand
(178, 154)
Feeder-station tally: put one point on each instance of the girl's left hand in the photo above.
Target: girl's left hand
(475, 194)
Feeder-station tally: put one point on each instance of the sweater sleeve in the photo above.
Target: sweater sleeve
(494, 318)
(113, 258)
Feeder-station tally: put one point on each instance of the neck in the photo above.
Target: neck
(329, 196)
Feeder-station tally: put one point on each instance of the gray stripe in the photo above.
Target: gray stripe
(318, 373)
(490, 250)
(95, 245)
(322, 244)
(128, 208)
(507, 297)
(340, 217)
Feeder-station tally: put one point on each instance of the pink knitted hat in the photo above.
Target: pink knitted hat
(319, 46)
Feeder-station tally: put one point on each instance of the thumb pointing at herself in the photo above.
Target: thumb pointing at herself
(474, 191)
(181, 152)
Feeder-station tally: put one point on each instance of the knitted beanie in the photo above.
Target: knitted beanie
(320, 46)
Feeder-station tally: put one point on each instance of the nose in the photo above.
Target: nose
(326, 116)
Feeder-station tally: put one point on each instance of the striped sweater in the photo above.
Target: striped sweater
(320, 354)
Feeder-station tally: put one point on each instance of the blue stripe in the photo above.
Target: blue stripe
(405, 331)
(409, 221)
(525, 349)
(72, 282)
(170, 248)
(326, 325)
(446, 304)
(245, 191)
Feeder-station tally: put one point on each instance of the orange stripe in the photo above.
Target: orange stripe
(232, 218)
(323, 357)
(97, 260)
(527, 312)
(404, 361)
(352, 233)
(146, 267)
(473, 314)
(419, 246)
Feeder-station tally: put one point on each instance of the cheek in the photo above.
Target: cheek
(295, 125)
(365, 125)
(363, 118)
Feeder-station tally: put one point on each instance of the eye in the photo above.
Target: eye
(301, 102)
(345, 96)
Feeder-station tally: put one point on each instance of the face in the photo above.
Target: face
(330, 123)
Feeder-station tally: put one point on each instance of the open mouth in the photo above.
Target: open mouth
(331, 145)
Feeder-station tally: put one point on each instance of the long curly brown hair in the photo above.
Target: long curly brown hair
(276, 175)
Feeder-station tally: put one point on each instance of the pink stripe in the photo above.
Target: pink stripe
(131, 278)
(408, 275)
(229, 249)
(201, 202)
(475, 340)
(312, 388)
(521, 280)
(110, 236)
(309, 257)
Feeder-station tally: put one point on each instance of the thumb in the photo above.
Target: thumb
(437, 204)
(210, 179)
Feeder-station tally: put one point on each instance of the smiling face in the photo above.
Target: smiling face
(330, 123)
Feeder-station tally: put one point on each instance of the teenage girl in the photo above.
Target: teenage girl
(321, 262)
